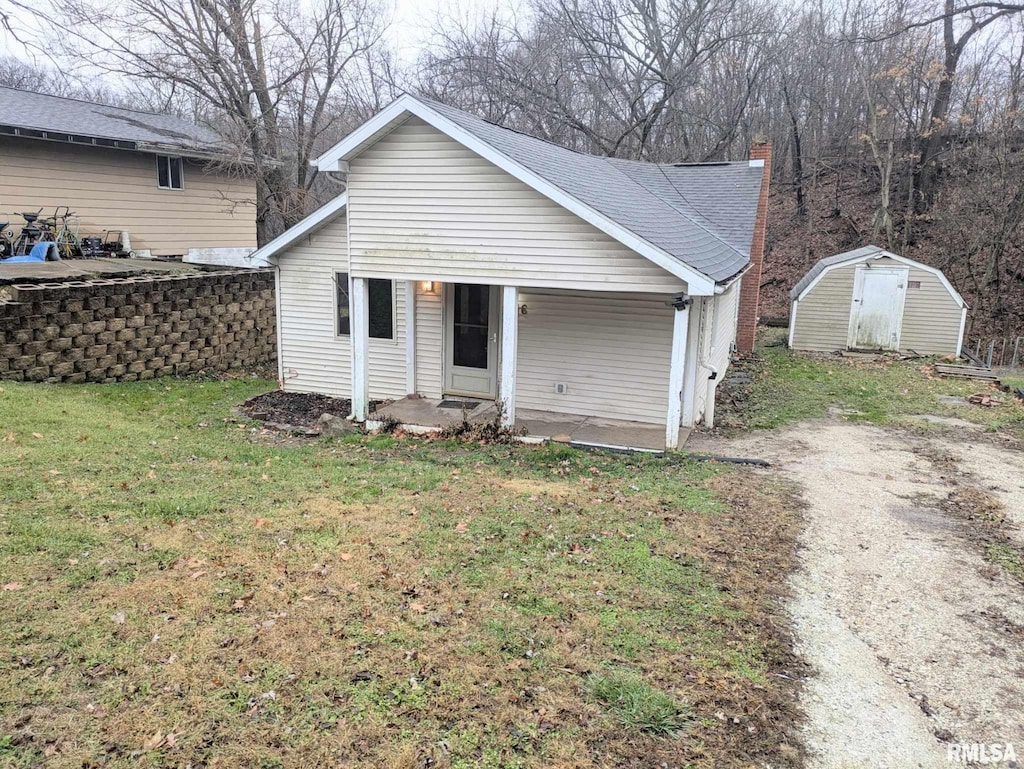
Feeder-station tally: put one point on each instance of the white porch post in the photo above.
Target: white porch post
(360, 330)
(680, 324)
(509, 345)
(410, 337)
(692, 361)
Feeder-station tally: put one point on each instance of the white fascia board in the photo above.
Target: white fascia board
(262, 256)
(698, 284)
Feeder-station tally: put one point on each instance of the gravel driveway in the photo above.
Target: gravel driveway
(915, 640)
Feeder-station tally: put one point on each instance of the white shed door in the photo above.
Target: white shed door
(877, 313)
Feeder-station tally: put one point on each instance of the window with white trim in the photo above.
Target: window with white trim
(170, 172)
(381, 302)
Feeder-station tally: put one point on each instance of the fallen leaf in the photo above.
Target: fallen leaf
(151, 474)
(10, 586)
(461, 526)
(154, 742)
(37, 435)
(9, 437)
(261, 523)
(418, 607)
(346, 556)
(196, 574)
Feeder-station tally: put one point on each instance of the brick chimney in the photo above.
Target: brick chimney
(750, 289)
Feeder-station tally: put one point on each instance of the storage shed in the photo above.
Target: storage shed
(872, 299)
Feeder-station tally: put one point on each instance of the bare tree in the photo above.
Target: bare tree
(270, 74)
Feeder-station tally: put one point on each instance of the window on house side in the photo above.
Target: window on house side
(344, 321)
(382, 317)
(170, 173)
(381, 301)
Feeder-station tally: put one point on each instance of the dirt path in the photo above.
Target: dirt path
(914, 637)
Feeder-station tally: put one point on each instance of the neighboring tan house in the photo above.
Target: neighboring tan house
(871, 299)
(473, 261)
(119, 169)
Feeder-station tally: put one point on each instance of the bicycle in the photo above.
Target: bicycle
(6, 240)
(67, 240)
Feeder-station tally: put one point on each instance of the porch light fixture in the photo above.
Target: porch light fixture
(427, 286)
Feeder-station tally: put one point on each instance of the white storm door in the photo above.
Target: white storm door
(471, 340)
(876, 316)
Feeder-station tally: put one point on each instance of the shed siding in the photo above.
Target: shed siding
(423, 206)
(611, 350)
(313, 357)
(931, 315)
(117, 190)
(823, 315)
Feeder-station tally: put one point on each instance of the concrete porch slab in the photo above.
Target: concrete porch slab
(586, 431)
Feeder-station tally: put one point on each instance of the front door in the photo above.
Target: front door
(877, 314)
(471, 340)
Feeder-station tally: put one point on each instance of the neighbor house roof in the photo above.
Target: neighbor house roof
(695, 220)
(863, 254)
(41, 116)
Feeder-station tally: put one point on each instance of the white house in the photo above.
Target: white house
(467, 260)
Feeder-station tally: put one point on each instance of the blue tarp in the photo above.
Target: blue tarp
(41, 252)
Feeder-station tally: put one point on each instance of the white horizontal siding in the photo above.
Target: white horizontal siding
(611, 350)
(313, 357)
(422, 206)
(429, 341)
(723, 335)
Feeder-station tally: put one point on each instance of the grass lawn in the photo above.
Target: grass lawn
(790, 386)
(178, 590)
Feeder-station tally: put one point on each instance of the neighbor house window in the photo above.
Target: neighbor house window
(381, 301)
(170, 174)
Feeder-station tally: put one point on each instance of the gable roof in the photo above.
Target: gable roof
(261, 256)
(863, 254)
(696, 221)
(41, 116)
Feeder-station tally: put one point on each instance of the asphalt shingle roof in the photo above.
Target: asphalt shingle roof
(701, 214)
(42, 112)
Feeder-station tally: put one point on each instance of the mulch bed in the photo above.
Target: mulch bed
(294, 410)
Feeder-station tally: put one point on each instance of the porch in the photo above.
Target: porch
(429, 414)
(585, 367)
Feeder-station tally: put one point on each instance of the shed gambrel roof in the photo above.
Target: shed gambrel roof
(863, 254)
(695, 216)
(32, 114)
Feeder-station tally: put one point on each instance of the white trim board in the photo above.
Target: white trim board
(261, 256)
(882, 254)
(380, 124)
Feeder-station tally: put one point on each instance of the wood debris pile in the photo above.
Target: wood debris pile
(984, 399)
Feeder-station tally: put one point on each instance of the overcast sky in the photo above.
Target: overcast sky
(412, 23)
